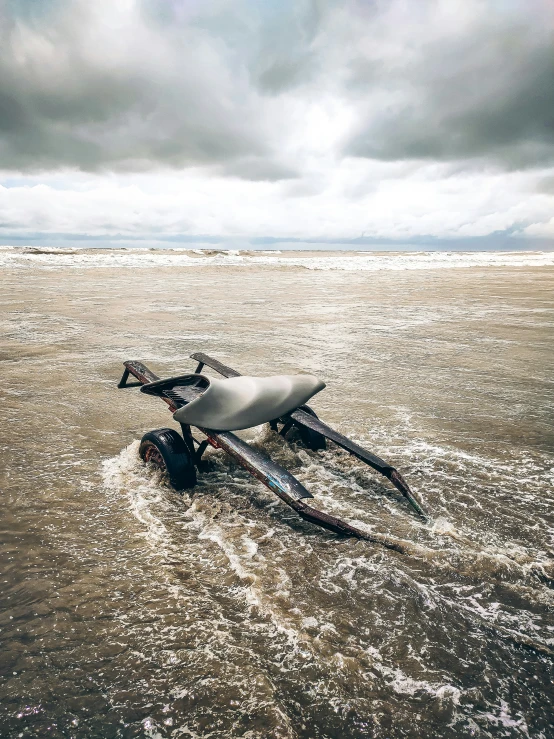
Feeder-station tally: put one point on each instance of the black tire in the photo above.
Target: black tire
(310, 438)
(166, 450)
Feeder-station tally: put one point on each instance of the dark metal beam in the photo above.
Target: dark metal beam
(277, 479)
(302, 418)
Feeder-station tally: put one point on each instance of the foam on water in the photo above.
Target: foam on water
(146, 490)
(266, 586)
(53, 258)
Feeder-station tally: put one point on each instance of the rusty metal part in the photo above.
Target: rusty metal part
(332, 523)
(153, 456)
(223, 369)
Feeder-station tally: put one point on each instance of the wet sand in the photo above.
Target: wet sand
(128, 610)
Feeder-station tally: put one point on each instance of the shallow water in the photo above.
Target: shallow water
(128, 610)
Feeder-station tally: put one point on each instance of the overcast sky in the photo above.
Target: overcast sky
(425, 121)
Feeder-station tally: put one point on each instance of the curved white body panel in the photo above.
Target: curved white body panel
(242, 402)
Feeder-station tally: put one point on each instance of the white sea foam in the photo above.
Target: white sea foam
(264, 586)
(126, 468)
(48, 258)
(126, 475)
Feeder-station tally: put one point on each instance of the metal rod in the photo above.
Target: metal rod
(305, 419)
(275, 477)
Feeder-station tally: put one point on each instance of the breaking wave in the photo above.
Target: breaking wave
(49, 258)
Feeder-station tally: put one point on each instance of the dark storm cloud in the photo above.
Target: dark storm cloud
(76, 92)
(123, 86)
(486, 93)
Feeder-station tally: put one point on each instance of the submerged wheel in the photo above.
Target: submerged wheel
(166, 450)
(310, 438)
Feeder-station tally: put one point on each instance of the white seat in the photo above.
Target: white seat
(243, 402)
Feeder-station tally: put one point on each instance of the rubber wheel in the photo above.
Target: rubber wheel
(311, 439)
(166, 450)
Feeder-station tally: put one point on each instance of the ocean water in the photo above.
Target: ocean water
(131, 611)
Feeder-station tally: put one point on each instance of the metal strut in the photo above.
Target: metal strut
(302, 418)
(258, 464)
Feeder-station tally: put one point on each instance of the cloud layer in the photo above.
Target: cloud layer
(109, 85)
(307, 119)
(473, 85)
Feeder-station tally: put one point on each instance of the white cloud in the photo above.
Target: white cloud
(543, 229)
(358, 198)
(312, 120)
